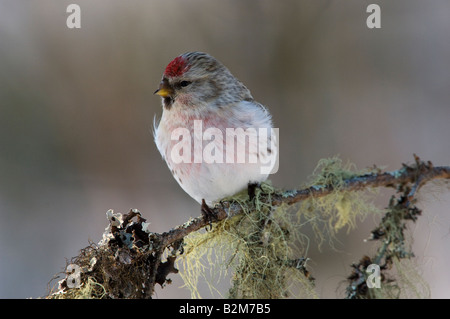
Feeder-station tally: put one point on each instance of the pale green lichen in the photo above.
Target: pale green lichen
(257, 247)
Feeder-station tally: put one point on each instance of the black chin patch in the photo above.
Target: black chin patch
(168, 101)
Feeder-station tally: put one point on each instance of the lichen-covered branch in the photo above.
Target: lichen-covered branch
(128, 262)
(417, 174)
(390, 232)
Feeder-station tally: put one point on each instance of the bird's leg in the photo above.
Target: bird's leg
(208, 214)
(252, 190)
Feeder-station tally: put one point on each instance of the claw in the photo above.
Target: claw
(208, 214)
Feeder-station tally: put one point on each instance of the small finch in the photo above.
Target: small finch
(208, 117)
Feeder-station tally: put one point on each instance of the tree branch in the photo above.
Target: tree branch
(129, 256)
(419, 174)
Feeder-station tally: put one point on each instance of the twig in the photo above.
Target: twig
(391, 229)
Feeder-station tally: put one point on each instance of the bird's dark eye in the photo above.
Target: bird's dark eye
(184, 83)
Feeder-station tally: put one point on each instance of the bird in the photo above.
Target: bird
(215, 138)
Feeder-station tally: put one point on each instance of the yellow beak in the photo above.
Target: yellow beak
(164, 90)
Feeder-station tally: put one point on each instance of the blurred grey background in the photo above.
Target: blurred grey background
(76, 113)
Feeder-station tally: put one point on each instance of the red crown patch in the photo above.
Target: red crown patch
(177, 67)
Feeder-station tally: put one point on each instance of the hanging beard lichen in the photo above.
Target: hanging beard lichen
(265, 248)
(340, 209)
(258, 247)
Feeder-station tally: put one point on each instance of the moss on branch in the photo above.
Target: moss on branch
(260, 241)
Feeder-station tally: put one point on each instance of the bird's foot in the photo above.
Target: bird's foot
(252, 190)
(209, 215)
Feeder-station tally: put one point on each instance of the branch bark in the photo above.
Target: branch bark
(131, 255)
